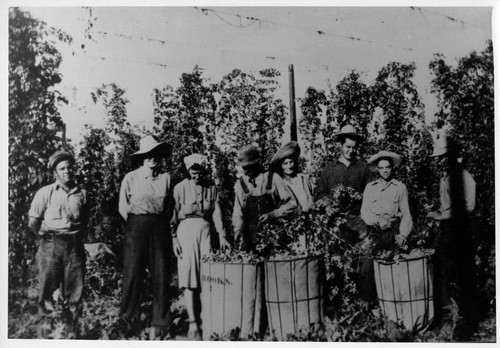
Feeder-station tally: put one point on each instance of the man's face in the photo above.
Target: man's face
(251, 171)
(384, 169)
(348, 149)
(65, 172)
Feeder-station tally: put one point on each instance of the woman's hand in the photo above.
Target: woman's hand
(224, 244)
(177, 248)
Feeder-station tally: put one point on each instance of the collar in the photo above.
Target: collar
(57, 186)
(386, 183)
(346, 162)
(147, 173)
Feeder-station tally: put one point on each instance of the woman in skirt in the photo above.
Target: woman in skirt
(196, 204)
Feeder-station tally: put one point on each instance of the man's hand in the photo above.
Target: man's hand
(264, 217)
(400, 240)
(384, 223)
(224, 244)
(436, 215)
(177, 248)
(97, 251)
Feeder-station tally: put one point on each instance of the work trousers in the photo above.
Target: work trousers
(61, 264)
(147, 242)
(454, 262)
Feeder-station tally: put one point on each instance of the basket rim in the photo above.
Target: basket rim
(428, 253)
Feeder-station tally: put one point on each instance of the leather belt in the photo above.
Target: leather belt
(52, 236)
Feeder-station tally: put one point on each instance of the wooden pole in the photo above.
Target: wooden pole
(293, 116)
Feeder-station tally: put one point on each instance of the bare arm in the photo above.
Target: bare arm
(34, 225)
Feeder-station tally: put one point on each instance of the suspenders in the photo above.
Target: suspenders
(269, 183)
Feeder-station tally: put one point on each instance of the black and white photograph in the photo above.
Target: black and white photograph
(295, 172)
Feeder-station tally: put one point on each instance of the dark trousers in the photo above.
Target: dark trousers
(61, 264)
(454, 262)
(147, 241)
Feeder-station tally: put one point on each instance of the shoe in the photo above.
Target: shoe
(194, 335)
(159, 334)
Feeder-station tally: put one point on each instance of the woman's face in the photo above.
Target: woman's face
(196, 175)
(288, 166)
(152, 162)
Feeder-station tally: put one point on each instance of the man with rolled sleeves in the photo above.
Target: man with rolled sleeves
(58, 218)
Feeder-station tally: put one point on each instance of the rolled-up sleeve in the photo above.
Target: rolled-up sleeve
(406, 220)
(123, 200)
(38, 205)
(470, 192)
(217, 217)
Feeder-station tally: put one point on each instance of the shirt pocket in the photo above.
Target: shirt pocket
(75, 207)
(53, 212)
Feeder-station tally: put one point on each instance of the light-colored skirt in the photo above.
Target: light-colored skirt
(194, 239)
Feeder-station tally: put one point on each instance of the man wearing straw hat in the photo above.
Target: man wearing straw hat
(259, 196)
(454, 256)
(346, 171)
(386, 211)
(58, 217)
(144, 203)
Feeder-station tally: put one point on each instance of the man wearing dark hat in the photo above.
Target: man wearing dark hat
(346, 171)
(58, 217)
(454, 256)
(386, 211)
(259, 197)
(145, 204)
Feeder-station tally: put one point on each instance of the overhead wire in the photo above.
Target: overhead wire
(317, 31)
(450, 18)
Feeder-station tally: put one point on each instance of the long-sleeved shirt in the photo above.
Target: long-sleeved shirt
(195, 200)
(387, 200)
(302, 189)
(356, 175)
(142, 193)
(280, 192)
(61, 212)
(469, 192)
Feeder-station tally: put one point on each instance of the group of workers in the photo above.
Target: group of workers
(161, 218)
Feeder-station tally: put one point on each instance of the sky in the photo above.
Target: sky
(142, 48)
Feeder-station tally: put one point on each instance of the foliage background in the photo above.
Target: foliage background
(217, 118)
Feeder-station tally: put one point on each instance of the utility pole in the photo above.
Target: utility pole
(293, 116)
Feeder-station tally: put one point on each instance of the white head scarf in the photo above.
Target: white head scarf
(195, 158)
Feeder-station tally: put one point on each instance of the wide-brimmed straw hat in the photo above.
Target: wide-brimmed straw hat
(289, 150)
(396, 159)
(349, 131)
(60, 156)
(248, 155)
(195, 158)
(443, 145)
(149, 144)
